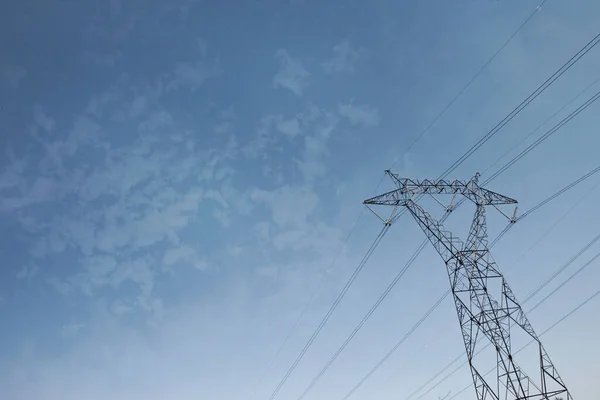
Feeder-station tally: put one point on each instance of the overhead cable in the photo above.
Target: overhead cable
(468, 84)
(418, 251)
(331, 309)
(410, 146)
(546, 201)
(529, 297)
(457, 163)
(552, 131)
(554, 325)
(517, 110)
(493, 243)
(541, 124)
(559, 220)
(397, 345)
(364, 319)
(563, 190)
(570, 278)
(308, 303)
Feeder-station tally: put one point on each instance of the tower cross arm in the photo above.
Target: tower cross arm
(408, 188)
(485, 305)
(392, 198)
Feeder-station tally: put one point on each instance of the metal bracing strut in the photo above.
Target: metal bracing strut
(472, 271)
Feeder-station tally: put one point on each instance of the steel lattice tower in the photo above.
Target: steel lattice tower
(471, 271)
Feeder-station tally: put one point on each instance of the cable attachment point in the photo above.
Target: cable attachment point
(514, 217)
(389, 220)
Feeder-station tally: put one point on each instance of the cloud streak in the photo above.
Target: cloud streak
(343, 60)
(174, 190)
(291, 75)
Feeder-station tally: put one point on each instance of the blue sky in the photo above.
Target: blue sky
(177, 177)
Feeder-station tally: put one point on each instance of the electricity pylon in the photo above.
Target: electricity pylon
(474, 277)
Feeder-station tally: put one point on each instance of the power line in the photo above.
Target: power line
(470, 82)
(563, 122)
(552, 131)
(517, 110)
(310, 301)
(535, 244)
(363, 321)
(455, 165)
(397, 345)
(455, 360)
(531, 147)
(562, 268)
(470, 271)
(573, 275)
(335, 304)
(564, 68)
(529, 297)
(545, 201)
(401, 273)
(523, 153)
(504, 231)
(590, 45)
(578, 181)
(539, 126)
(494, 242)
(558, 221)
(411, 145)
(404, 338)
(554, 325)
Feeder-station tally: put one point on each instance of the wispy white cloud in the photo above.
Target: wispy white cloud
(98, 105)
(43, 120)
(27, 272)
(226, 121)
(184, 254)
(289, 127)
(12, 172)
(124, 229)
(309, 130)
(174, 228)
(343, 59)
(54, 242)
(364, 115)
(289, 205)
(125, 203)
(22, 185)
(97, 271)
(264, 142)
(62, 287)
(192, 75)
(321, 125)
(107, 272)
(291, 75)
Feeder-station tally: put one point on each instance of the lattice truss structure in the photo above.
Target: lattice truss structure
(472, 271)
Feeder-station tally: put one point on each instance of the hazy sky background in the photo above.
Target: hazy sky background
(177, 177)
